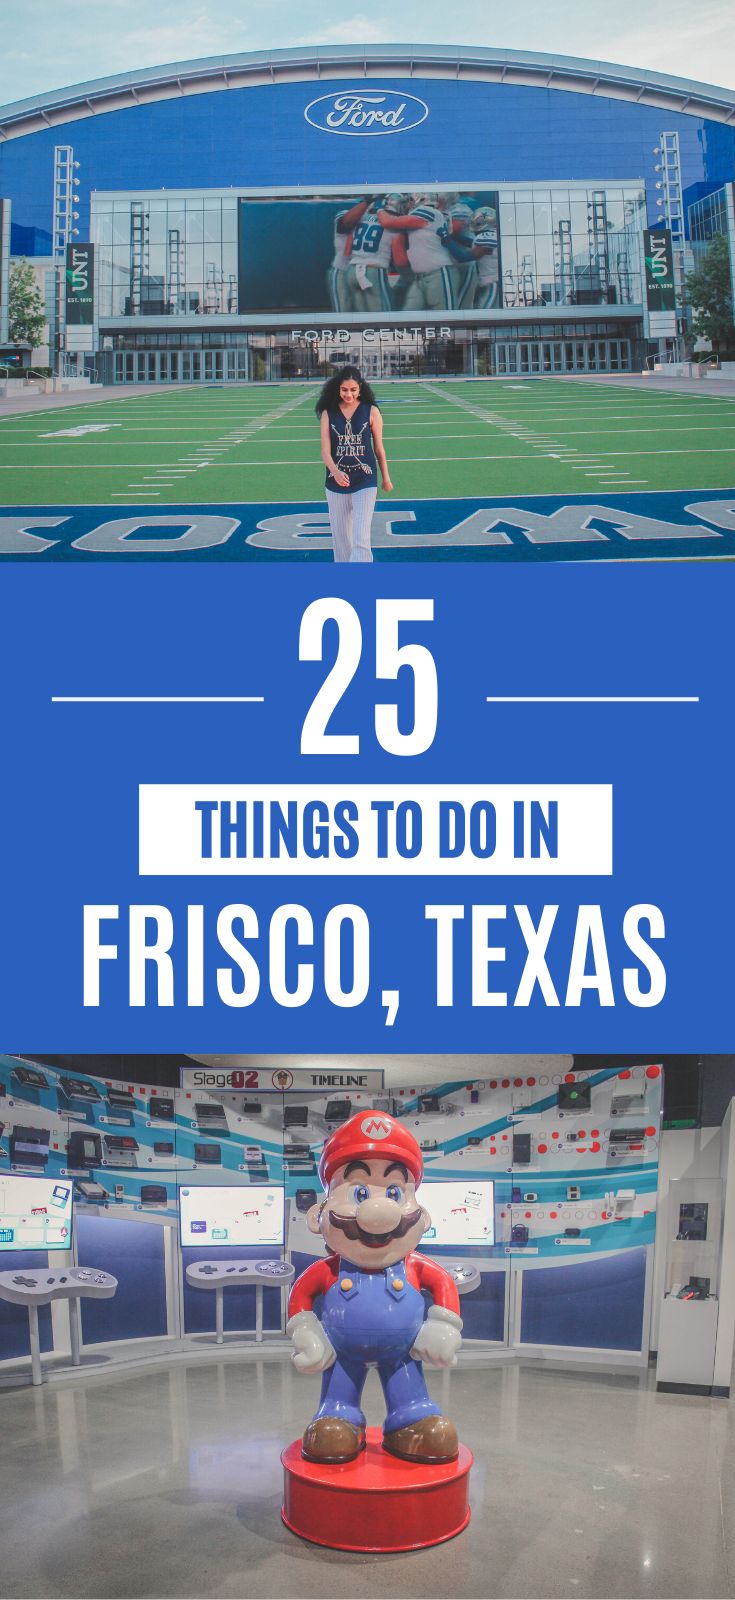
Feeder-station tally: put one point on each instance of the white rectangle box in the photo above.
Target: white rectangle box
(171, 830)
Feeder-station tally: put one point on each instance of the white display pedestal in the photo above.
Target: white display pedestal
(34, 1288)
(227, 1274)
(686, 1345)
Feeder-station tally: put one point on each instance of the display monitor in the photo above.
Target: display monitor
(248, 1214)
(362, 232)
(35, 1213)
(461, 1213)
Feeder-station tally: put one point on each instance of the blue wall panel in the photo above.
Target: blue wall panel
(259, 137)
(590, 1304)
(239, 1304)
(134, 1254)
(483, 1310)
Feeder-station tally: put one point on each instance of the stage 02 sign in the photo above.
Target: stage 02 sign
(245, 1080)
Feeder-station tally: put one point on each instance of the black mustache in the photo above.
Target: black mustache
(352, 1230)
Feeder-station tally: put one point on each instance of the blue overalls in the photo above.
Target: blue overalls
(372, 1319)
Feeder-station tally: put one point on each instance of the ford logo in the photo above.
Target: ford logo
(359, 114)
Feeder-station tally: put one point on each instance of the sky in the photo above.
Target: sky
(51, 44)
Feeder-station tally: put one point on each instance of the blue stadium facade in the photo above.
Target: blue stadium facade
(183, 169)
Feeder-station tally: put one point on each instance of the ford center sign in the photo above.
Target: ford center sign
(358, 113)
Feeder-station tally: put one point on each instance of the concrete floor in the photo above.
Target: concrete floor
(166, 1482)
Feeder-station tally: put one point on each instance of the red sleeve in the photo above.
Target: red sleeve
(399, 252)
(441, 1286)
(314, 1281)
(405, 224)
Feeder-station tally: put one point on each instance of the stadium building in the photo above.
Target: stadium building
(420, 210)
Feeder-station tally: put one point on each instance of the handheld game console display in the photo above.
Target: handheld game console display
(250, 1214)
(461, 1213)
(35, 1213)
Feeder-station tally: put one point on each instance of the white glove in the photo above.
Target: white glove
(438, 1338)
(312, 1350)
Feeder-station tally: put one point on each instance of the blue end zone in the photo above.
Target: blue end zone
(537, 528)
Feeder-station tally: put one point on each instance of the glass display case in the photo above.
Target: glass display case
(688, 1327)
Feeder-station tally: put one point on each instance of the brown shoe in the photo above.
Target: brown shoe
(331, 1440)
(431, 1439)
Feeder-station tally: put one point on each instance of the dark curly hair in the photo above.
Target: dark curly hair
(329, 397)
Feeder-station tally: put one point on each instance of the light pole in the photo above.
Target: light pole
(670, 204)
(65, 184)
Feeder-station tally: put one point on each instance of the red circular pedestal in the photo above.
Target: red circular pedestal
(375, 1503)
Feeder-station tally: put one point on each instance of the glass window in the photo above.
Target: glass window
(229, 221)
(541, 214)
(121, 227)
(101, 229)
(507, 217)
(213, 221)
(560, 206)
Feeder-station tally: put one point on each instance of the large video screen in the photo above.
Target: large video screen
(35, 1214)
(461, 1213)
(375, 255)
(250, 1214)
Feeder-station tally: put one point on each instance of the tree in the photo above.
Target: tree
(25, 304)
(709, 293)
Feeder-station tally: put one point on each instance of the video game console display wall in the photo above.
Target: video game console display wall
(545, 1185)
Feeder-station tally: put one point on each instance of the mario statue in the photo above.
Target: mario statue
(373, 1313)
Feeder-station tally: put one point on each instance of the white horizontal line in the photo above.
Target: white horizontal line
(592, 699)
(156, 699)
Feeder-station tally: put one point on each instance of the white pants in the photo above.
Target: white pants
(350, 516)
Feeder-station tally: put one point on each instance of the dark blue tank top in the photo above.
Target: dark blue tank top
(351, 447)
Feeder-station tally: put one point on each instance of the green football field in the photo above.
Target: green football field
(195, 445)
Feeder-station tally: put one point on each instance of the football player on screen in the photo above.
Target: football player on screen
(481, 248)
(436, 279)
(372, 257)
(344, 224)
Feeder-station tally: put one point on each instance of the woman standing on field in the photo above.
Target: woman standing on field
(352, 452)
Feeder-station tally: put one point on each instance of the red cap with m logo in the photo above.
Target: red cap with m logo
(374, 1135)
